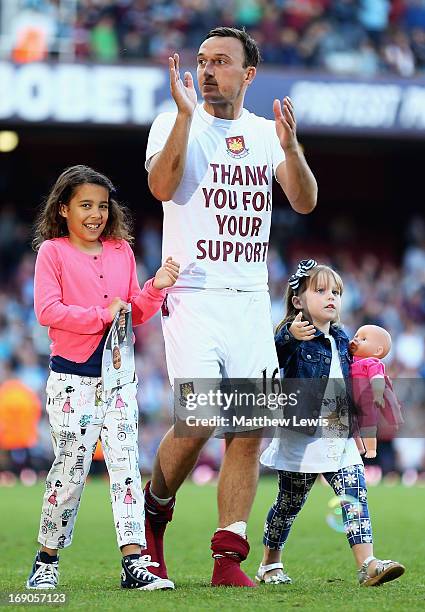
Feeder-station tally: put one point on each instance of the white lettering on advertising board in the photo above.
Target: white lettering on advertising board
(79, 93)
(346, 104)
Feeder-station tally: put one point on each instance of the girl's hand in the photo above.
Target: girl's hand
(302, 330)
(167, 274)
(116, 305)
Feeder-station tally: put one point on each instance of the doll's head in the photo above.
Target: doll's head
(371, 341)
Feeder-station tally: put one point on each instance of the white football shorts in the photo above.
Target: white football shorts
(219, 334)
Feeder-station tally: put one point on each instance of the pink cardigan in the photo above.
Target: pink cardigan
(72, 291)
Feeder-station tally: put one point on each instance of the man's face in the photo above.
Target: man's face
(222, 77)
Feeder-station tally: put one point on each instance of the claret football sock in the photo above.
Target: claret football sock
(157, 516)
(229, 550)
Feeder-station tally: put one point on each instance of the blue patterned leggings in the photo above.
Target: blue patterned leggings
(294, 488)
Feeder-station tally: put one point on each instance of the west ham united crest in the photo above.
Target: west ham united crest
(186, 389)
(236, 147)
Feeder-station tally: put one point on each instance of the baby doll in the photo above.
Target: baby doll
(372, 389)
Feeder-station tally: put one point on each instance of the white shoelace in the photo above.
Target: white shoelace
(139, 567)
(46, 572)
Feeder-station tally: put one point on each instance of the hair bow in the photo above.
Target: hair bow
(303, 269)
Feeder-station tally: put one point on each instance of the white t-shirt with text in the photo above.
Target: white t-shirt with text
(217, 226)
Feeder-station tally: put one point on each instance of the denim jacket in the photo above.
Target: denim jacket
(311, 359)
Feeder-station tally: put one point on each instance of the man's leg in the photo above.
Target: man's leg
(175, 459)
(238, 479)
(192, 356)
(236, 491)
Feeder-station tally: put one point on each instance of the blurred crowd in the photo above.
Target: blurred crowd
(375, 291)
(357, 37)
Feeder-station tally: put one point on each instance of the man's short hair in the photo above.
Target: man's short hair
(250, 47)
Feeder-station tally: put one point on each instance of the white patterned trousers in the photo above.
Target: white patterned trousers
(80, 414)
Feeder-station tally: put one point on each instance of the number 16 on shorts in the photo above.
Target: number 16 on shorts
(271, 382)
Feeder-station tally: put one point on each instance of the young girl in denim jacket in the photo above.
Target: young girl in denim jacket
(311, 345)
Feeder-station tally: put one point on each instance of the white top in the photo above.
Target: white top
(329, 449)
(217, 226)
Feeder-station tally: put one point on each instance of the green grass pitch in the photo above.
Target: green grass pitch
(317, 558)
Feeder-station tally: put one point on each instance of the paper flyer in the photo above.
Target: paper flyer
(118, 367)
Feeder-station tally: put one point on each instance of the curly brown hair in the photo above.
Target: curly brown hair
(51, 224)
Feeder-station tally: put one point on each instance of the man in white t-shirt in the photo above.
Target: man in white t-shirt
(213, 165)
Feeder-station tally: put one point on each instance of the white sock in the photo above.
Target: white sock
(161, 501)
(239, 528)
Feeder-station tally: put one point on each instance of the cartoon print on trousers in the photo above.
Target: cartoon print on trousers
(66, 437)
(131, 527)
(127, 529)
(115, 462)
(120, 405)
(109, 451)
(116, 490)
(130, 450)
(77, 469)
(67, 496)
(61, 541)
(66, 515)
(124, 429)
(47, 526)
(83, 422)
(63, 455)
(67, 408)
(128, 498)
(52, 499)
(98, 401)
(57, 399)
